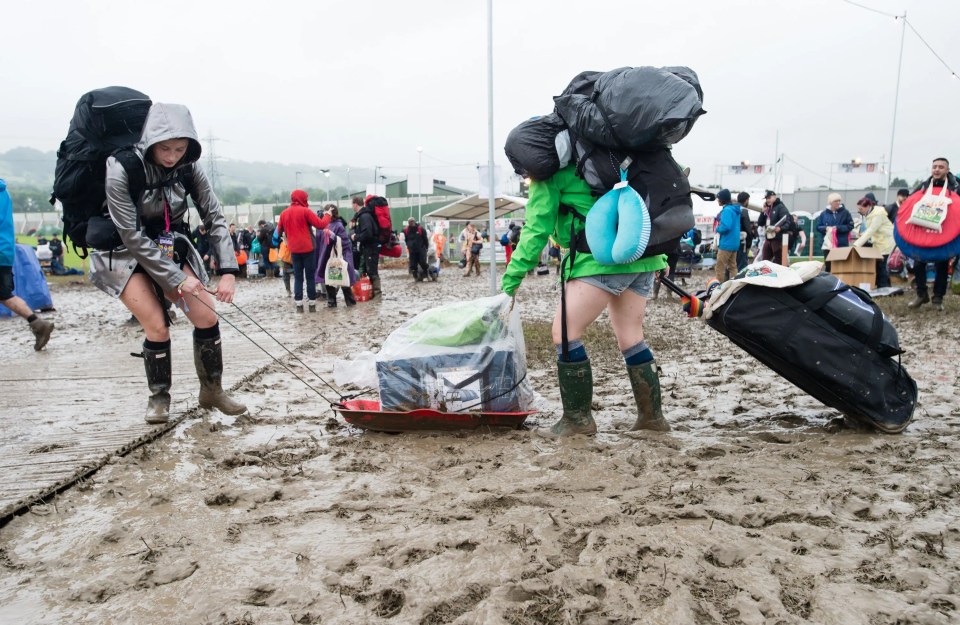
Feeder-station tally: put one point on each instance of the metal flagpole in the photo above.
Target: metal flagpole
(490, 173)
(896, 97)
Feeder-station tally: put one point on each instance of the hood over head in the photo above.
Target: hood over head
(170, 121)
(299, 198)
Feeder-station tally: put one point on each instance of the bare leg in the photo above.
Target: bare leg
(626, 317)
(18, 306)
(202, 309)
(140, 298)
(585, 302)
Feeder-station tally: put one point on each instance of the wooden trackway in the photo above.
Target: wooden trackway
(66, 411)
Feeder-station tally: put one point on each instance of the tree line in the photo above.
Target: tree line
(29, 198)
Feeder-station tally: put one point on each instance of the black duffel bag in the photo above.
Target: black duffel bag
(834, 352)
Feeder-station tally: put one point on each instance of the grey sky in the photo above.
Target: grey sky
(363, 83)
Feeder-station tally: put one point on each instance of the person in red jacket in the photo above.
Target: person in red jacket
(296, 221)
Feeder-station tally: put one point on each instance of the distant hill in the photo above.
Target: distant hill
(27, 166)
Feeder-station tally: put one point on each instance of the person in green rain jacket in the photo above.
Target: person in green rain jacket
(590, 288)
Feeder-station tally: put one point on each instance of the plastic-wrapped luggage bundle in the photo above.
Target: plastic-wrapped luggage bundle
(460, 357)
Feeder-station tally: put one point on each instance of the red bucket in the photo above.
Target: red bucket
(362, 289)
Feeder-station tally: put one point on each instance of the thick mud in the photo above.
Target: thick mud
(761, 507)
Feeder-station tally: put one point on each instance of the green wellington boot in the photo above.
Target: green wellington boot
(576, 394)
(645, 381)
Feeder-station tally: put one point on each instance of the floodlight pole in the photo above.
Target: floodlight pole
(419, 185)
(490, 173)
(896, 97)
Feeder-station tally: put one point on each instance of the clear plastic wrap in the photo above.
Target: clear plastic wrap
(465, 356)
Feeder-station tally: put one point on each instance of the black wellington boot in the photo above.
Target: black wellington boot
(159, 377)
(576, 394)
(208, 358)
(645, 381)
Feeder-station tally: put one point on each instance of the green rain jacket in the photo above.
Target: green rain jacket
(543, 219)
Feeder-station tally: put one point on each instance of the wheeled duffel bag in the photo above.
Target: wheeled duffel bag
(829, 339)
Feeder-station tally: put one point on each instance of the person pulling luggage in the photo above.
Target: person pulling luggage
(157, 259)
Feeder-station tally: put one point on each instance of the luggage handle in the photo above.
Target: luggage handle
(703, 194)
(876, 327)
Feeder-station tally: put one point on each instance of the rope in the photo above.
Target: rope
(274, 358)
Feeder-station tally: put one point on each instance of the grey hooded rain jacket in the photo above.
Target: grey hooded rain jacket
(110, 271)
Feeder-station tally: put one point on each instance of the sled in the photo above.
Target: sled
(366, 414)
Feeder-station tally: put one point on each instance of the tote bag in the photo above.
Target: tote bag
(335, 273)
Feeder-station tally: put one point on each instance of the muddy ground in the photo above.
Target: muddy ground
(759, 507)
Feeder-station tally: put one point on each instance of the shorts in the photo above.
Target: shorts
(616, 284)
(6, 283)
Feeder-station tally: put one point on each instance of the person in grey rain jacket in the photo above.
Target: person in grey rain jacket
(157, 259)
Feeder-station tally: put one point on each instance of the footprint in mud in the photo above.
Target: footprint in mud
(713, 600)
(386, 604)
(708, 453)
(258, 596)
(572, 544)
(452, 609)
(726, 556)
(168, 574)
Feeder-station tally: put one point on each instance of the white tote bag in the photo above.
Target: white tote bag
(335, 273)
(931, 210)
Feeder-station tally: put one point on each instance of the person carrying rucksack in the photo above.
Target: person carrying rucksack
(368, 236)
(156, 258)
(590, 288)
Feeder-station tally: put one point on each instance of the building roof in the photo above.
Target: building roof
(473, 207)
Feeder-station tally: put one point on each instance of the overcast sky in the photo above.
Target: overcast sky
(365, 82)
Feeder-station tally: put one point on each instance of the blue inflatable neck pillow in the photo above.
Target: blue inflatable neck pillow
(618, 225)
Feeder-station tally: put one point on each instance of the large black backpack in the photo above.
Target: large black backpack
(106, 122)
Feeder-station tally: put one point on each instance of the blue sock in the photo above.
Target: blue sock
(638, 354)
(577, 352)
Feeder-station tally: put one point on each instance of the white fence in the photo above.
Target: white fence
(241, 215)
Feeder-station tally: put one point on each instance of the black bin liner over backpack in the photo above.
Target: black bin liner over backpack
(824, 352)
(104, 122)
(531, 146)
(632, 108)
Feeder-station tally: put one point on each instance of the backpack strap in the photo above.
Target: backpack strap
(137, 178)
(575, 245)
(136, 175)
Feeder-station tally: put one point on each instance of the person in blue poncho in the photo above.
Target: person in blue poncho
(41, 328)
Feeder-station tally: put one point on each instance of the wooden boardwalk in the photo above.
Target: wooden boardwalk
(66, 411)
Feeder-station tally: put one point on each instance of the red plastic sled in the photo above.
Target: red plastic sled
(366, 414)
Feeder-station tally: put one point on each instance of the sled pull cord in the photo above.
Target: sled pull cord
(274, 358)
